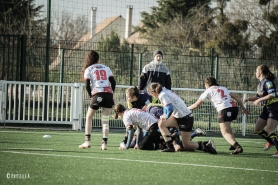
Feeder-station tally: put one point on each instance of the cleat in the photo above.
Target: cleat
(232, 147)
(276, 154)
(103, 146)
(200, 132)
(86, 144)
(168, 150)
(268, 146)
(238, 150)
(211, 147)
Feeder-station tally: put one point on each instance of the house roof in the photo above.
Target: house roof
(98, 29)
(134, 38)
(86, 38)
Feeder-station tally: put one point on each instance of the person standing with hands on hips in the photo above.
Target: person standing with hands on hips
(103, 84)
(155, 71)
(267, 96)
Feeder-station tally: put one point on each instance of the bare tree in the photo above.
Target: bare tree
(252, 11)
(68, 29)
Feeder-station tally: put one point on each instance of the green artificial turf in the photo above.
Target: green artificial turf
(28, 158)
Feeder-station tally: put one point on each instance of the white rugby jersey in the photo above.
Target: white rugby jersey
(99, 74)
(219, 97)
(180, 109)
(138, 117)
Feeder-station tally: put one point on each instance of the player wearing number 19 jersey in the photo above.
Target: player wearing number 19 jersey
(221, 99)
(101, 95)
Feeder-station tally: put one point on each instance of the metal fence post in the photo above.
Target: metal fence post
(131, 64)
(216, 67)
(75, 106)
(61, 74)
(244, 117)
(140, 65)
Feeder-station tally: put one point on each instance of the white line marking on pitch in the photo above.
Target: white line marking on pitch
(143, 161)
(27, 149)
(58, 133)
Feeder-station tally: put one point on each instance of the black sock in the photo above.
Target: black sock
(88, 137)
(105, 140)
(274, 139)
(202, 145)
(236, 145)
(265, 135)
(169, 144)
(125, 139)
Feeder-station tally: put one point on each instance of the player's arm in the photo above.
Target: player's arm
(168, 110)
(168, 82)
(142, 81)
(236, 97)
(252, 98)
(88, 87)
(112, 82)
(265, 98)
(197, 104)
(138, 135)
(130, 132)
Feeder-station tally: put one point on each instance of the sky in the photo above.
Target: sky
(105, 8)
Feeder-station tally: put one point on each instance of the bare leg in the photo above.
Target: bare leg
(227, 132)
(88, 128)
(187, 144)
(89, 118)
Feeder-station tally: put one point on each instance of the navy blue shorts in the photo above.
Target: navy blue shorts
(270, 111)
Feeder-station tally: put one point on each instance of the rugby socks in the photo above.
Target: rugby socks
(236, 144)
(193, 134)
(264, 135)
(202, 145)
(88, 137)
(125, 139)
(274, 139)
(168, 140)
(104, 140)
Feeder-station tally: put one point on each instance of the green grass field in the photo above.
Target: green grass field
(28, 158)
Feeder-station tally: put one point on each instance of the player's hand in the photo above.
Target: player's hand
(122, 146)
(245, 111)
(136, 147)
(256, 102)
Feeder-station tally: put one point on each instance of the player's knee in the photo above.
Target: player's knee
(159, 123)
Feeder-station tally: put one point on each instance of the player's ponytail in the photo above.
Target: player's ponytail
(211, 81)
(267, 73)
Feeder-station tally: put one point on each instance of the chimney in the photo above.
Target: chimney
(93, 21)
(128, 21)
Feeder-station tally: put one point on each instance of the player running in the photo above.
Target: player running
(220, 98)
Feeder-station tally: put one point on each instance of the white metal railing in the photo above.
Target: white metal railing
(41, 103)
(67, 103)
(205, 116)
